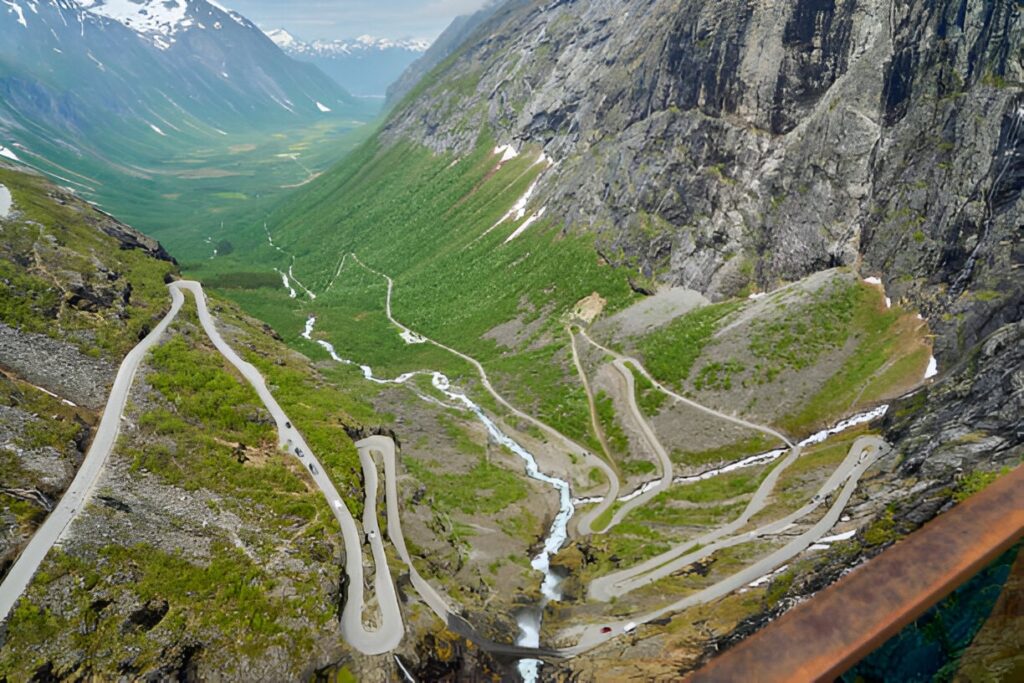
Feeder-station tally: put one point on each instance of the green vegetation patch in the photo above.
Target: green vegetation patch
(426, 221)
(214, 434)
(890, 354)
(670, 352)
(229, 604)
(976, 481)
(649, 398)
(613, 432)
(796, 337)
(54, 248)
(487, 488)
(758, 443)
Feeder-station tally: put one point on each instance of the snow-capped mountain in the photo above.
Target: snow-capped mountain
(192, 64)
(161, 20)
(97, 84)
(364, 65)
(365, 43)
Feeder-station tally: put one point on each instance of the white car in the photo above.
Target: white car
(372, 534)
(629, 628)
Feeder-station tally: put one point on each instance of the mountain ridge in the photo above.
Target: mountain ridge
(364, 65)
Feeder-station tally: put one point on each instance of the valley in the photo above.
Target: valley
(613, 337)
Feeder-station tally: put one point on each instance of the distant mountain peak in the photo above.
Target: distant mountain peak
(282, 38)
(325, 48)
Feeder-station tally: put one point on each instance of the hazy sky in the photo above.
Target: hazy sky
(310, 19)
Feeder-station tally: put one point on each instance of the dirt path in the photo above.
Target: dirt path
(585, 524)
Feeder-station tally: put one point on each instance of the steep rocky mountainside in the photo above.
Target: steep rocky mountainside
(723, 145)
(693, 138)
(205, 551)
(730, 148)
(78, 290)
(448, 42)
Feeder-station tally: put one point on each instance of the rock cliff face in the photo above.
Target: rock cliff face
(732, 146)
(735, 144)
(700, 139)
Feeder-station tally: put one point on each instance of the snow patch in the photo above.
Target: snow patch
(518, 209)
(157, 130)
(159, 21)
(5, 201)
(507, 152)
(846, 536)
(333, 48)
(872, 281)
(527, 223)
(544, 159)
(758, 459)
(325, 109)
(771, 456)
(757, 295)
(767, 577)
(310, 324)
(16, 9)
(4, 152)
(843, 425)
(933, 368)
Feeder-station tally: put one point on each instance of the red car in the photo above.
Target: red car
(606, 629)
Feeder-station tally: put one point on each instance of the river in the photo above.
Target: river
(528, 620)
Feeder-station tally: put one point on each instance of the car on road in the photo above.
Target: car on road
(288, 425)
(372, 534)
(298, 452)
(312, 468)
(629, 628)
(606, 629)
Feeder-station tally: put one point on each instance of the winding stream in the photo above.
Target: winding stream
(528, 620)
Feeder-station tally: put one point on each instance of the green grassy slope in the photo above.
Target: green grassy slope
(48, 247)
(423, 219)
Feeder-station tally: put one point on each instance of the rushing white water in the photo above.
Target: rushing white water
(753, 460)
(529, 621)
(287, 285)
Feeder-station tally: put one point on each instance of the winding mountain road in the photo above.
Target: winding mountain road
(78, 493)
(621, 364)
(439, 603)
(390, 630)
(864, 452)
(585, 524)
(376, 641)
(574, 448)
